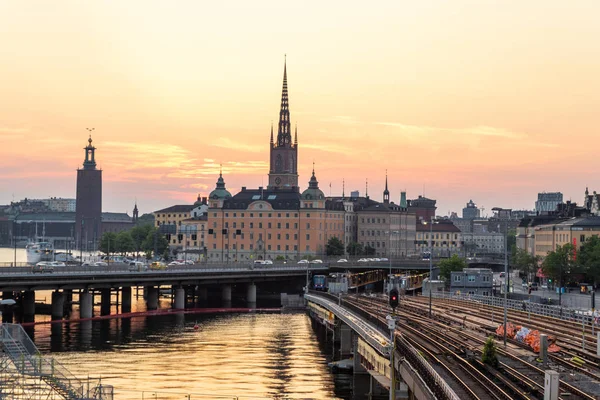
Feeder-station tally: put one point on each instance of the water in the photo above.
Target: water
(248, 356)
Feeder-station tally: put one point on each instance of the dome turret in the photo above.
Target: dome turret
(220, 192)
(313, 192)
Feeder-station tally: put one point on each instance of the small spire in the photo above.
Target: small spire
(271, 132)
(386, 186)
(313, 168)
(220, 170)
(343, 188)
(367, 188)
(296, 136)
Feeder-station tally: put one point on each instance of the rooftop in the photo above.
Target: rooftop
(177, 209)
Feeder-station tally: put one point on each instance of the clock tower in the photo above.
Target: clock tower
(283, 165)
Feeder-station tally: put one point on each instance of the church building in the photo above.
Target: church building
(276, 221)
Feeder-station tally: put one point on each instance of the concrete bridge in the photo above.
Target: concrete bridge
(21, 283)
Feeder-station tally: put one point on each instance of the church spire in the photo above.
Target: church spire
(284, 136)
(386, 192)
(271, 133)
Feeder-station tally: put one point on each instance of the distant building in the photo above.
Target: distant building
(446, 239)
(483, 243)
(473, 281)
(57, 204)
(116, 222)
(423, 207)
(592, 202)
(471, 211)
(547, 202)
(88, 202)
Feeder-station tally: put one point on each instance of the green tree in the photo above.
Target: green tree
(335, 247)
(145, 219)
(139, 233)
(589, 258)
(125, 242)
(511, 241)
(488, 355)
(369, 251)
(155, 237)
(279, 258)
(559, 263)
(447, 265)
(354, 249)
(108, 243)
(526, 262)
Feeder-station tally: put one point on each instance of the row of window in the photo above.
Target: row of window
(185, 215)
(373, 220)
(437, 236)
(472, 278)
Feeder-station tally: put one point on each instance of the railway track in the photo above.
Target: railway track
(516, 378)
(561, 331)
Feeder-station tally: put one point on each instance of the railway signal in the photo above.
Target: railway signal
(393, 299)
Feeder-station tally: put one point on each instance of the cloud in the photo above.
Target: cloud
(474, 131)
(341, 119)
(226, 143)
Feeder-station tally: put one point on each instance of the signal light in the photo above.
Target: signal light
(393, 299)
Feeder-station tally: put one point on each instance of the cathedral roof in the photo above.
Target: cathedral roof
(278, 199)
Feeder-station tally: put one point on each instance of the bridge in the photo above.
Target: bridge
(20, 283)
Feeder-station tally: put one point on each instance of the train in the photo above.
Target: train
(405, 283)
(319, 282)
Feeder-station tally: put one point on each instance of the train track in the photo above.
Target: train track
(473, 378)
(561, 330)
(516, 378)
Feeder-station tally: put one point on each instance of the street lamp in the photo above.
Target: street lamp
(430, 258)
(505, 280)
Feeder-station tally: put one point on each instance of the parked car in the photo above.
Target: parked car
(303, 262)
(534, 286)
(259, 262)
(502, 274)
(190, 262)
(174, 263)
(342, 260)
(384, 259)
(268, 262)
(317, 261)
(363, 260)
(100, 264)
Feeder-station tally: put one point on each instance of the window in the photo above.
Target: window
(260, 225)
(295, 236)
(268, 236)
(308, 236)
(251, 225)
(287, 215)
(295, 225)
(279, 236)
(269, 225)
(287, 225)
(457, 278)
(278, 247)
(471, 278)
(279, 225)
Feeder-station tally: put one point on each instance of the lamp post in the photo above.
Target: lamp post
(430, 258)
(505, 282)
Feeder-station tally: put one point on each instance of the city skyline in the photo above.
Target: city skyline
(470, 115)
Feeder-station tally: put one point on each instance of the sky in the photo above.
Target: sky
(492, 101)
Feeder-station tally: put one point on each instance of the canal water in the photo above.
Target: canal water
(246, 356)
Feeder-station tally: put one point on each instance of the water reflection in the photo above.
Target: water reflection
(252, 355)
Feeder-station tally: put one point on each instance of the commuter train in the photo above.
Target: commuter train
(319, 282)
(405, 283)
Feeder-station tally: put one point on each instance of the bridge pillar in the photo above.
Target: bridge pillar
(28, 303)
(345, 340)
(202, 294)
(126, 299)
(86, 304)
(226, 293)
(7, 315)
(68, 294)
(358, 367)
(251, 297)
(152, 298)
(105, 295)
(179, 297)
(58, 304)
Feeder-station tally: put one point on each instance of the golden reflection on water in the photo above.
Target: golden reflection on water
(245, 356)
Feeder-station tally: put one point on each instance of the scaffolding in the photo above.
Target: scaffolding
(26, 374)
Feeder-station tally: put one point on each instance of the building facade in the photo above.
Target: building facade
(483, 243)
(473, 281)
(573, 231)
(423, 208)
(88, 202)
(547, 202)
(442, 238)
(471, 211)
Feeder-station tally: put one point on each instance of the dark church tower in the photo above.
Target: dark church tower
(135, 214)
(283, 171)
(88, 204)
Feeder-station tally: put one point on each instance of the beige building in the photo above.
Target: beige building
(443, 237)
(264, 224)
(574, 231)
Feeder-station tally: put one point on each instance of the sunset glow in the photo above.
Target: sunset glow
(485, 100)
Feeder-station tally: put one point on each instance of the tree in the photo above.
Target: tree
(558, 263)
(488, 355)
(145, 219)
(527, 263)
(108, 243)
(155, 237)
(454, 263)
(139, 233)
(335, 247)
(125, 242)
(369, 251)
(354, 248)
(589, 258)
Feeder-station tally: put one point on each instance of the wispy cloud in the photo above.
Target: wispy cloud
(341, 119)
(481, 130)
(226, 143)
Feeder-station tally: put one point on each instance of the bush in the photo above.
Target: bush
(488, 356)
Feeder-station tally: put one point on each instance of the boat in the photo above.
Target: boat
(39, 251)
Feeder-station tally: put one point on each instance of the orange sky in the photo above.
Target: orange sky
(489, 100)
